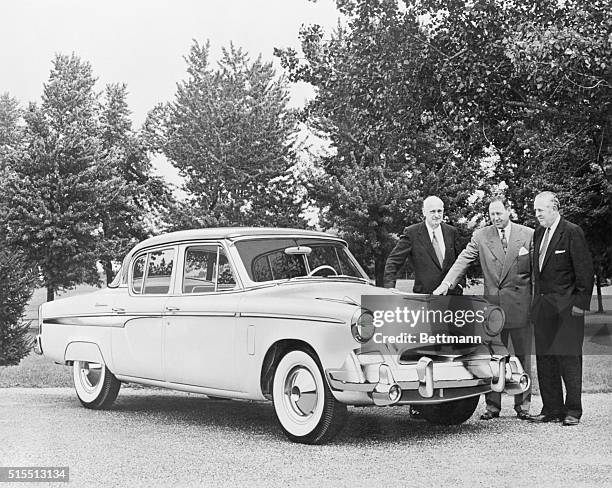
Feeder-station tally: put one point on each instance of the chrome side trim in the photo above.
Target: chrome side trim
(99, 320)
(291, 317)
(179, 313)
(119, 320)
(190, 388)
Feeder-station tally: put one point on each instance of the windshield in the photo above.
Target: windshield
(266, 259)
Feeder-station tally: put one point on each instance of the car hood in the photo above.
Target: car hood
(313, 298)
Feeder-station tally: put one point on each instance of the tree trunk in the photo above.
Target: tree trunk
(50, 294)
(108, 271)
(600, 308)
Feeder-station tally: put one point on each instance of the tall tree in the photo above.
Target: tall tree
(136, 193)
(16, 285)
(229, 132)
(57, 181)
(11, 116)
(374, 102)
(532, 80)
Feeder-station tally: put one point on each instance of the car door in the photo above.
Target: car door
(137, 345)
(201, 319)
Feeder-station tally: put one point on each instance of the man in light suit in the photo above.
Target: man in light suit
(430, 247)
(503, 249)
(563, 279)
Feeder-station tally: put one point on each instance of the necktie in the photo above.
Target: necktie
(544, 248)
(504, 241)
(437, 250)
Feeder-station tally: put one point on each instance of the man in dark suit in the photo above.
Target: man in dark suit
(563, 279)
(503, 250)
(431, 247)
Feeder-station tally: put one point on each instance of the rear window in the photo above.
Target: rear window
(152, 272)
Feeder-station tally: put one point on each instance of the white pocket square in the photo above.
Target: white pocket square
(561, 251)
(523, 251)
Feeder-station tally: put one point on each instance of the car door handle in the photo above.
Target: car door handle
(118, 309)
(172, 309)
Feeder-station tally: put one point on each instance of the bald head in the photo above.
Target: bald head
(433, 211)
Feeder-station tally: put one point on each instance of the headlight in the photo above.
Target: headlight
(362, 325)
(495, 321)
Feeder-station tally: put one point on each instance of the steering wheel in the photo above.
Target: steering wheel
(322, 268)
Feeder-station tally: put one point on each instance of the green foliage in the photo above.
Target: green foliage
(10, 114)
(57, 182)
(376, 103)
(533, 83)
(135, 194)
(517, 88)
(16, 282)
(231, 135)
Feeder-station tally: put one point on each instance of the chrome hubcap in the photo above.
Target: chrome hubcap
(301, 392)
(90, 374)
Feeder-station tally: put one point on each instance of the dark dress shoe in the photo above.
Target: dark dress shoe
(489, 415)
(569, 420)
(544, 418)
(523, 415)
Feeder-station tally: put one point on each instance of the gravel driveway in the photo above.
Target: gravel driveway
(165, 438)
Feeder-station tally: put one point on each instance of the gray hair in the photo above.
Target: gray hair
(432, 198)
(551, 197)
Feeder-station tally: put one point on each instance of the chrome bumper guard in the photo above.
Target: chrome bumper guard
(38, 345)
(434, 382)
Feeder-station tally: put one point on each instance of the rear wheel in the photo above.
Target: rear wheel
(449, 413)
(95, 385)
(304, 404)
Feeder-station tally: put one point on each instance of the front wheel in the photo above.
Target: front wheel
(95, 385)
(449, 413)
(304, 404)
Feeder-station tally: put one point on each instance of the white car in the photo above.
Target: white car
(265, 314)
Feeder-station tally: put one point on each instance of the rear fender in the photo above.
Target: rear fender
(83, 351)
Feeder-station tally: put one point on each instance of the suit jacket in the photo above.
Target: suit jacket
(507, 277)
(415, 245)
(566, 278)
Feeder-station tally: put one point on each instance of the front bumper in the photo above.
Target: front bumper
(427, 380)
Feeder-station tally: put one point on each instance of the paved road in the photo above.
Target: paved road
(159, 438)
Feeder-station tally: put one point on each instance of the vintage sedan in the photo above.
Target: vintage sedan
(266, 314)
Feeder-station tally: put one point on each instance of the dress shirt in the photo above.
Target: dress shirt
(439, 237)
(553, 227)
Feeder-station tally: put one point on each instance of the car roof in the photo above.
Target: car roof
(227, 233)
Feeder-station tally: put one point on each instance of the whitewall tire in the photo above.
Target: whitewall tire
(305, 407)
(96, 387)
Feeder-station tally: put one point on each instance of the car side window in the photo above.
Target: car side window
(225, 280)
(206, 270)
(199, 271)
(159, 272)
(138, 273)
